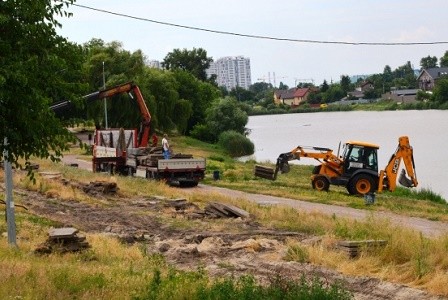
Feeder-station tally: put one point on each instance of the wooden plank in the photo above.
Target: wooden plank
(58, 233)
(236, 211)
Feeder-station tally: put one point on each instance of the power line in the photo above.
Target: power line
(256, 36)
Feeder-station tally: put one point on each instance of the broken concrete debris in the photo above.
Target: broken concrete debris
(63, 240)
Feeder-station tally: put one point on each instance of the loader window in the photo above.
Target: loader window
(361, 157)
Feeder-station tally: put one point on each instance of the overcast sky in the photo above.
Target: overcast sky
(372, 21)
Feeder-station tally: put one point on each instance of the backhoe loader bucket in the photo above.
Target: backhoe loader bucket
(264, 172)
(404, 180)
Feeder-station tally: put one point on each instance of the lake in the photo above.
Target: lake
(427, 131)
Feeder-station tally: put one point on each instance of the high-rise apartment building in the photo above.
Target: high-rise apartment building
(231, 71)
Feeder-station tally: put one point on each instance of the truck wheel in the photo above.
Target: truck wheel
(361, 184)
(320, 183)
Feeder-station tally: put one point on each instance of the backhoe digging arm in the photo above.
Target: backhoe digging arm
(388, 176)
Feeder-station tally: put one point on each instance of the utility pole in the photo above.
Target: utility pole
(105, 102)
(10, 215)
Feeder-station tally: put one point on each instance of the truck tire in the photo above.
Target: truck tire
(320, 183)
(361, 184)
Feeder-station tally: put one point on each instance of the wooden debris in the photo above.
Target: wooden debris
(180, 204)
(101, 187)
(264, 172)
(63, 240)
(221, 210)
(353, 248)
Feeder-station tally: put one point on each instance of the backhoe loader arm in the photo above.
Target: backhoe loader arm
(388, 176)
(319, 153)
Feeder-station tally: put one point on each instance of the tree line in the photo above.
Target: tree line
(41, 68)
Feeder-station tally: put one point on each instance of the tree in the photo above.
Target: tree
(224, 114)
(428, 62)
(324, 86)
(36, 66)
(119, 66)
(345, 83)
(195, 61)
(440, 92)
(444, 60)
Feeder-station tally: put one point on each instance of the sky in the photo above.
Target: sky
(274, 61)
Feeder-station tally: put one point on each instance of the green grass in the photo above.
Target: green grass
(173, 286)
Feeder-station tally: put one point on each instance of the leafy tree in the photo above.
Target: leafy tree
(195, 61)
(334, 93)
(242, 94)
(282, 86)
(404, 76)
(428, 62)
(119, 66)
(235, 143)
(184, 111)
(345, 83)
(444, 60)
(440, 91)
(200, 94)
(224, 114)
(37, 66)
(324, 86)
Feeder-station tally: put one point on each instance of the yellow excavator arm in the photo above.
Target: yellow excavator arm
(388, 176)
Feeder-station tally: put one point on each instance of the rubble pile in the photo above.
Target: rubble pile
(63, 240)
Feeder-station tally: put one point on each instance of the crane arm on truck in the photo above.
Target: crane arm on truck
(128, 88)
(388, 176)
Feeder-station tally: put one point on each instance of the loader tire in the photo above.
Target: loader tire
(361, 184)
(320, 183)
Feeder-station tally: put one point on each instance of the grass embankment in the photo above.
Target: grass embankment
(111, 270)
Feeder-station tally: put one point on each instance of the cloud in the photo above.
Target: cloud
(420, 34)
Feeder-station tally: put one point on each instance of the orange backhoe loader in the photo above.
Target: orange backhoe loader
(356, 168)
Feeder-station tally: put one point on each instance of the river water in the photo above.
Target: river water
(427, 131)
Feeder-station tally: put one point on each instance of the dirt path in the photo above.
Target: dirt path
(427, 227)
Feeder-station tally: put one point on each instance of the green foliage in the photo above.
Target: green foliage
(194, 61)
(189, 285)
(440, 92)
(421, 194)
(444, 60)
(37, 66)
(183, 110)
(235, 143)
(224, 114)
(428, 62)
(279, 288)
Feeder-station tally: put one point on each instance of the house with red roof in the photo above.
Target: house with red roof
(292, 97)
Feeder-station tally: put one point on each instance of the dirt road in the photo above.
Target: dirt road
(426, 227)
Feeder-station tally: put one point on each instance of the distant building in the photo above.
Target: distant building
(231, 71)
(428, 77)
(401, 96)
(154, 64)
(292, 97)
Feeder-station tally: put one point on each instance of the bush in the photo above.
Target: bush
(235, 143)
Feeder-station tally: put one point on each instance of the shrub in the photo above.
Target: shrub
(235, 143)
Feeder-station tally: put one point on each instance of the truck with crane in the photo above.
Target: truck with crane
(128, 151)
(356, 169)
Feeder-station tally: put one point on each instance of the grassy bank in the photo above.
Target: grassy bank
(112, 270)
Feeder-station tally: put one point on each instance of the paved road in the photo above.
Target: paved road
(427, 227)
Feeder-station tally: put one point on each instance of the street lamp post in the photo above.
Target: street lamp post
(105, 102)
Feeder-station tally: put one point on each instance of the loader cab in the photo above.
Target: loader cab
(360, 155)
